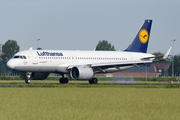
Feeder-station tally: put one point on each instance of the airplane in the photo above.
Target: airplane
(83, 65)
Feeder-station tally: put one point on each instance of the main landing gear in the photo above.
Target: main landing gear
(63, 80)
(93, 81)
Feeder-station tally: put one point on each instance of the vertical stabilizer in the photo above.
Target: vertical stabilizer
(140, 42)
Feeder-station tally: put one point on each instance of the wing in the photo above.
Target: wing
(118, 65)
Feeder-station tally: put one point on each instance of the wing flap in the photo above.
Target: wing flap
(119, 63)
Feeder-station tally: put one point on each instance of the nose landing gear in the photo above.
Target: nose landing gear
(27, 81)
(28, 75)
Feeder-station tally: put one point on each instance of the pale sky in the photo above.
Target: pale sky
(80, 24)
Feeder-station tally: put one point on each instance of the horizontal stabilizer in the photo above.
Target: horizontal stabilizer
(164, 57)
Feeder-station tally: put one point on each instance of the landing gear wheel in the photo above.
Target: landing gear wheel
(90, 81)
(63, 80)
(27, 81)
(93, 81)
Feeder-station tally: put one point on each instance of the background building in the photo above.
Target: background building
(155, 70)
(161, 68)
(133, 72)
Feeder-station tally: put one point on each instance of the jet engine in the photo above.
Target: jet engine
(81, 73)
(36, 76)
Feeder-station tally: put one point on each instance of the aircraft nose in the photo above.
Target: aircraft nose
(10, 64)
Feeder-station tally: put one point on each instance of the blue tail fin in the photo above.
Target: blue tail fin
(140, 42)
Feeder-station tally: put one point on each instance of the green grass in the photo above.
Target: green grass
(89, 103)
(85, 84)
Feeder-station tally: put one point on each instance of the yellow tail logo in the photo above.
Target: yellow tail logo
(143, 36)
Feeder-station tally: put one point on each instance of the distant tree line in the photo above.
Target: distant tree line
(8, 50)
(104, 46)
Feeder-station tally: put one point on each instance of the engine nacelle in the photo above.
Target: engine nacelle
(36, 76)
(81, 73)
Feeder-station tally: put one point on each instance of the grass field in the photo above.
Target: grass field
(89, 103)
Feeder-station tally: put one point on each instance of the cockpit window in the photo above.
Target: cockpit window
(24, 57)
(19, 56)
(16, 56)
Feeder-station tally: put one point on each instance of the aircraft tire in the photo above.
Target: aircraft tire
(90, 81)
(66, 80)
(63, 80)
(27, 81)
(93, 81)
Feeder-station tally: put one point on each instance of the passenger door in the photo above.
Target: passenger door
(35, 58)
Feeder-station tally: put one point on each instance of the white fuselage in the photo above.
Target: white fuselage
(59, 61)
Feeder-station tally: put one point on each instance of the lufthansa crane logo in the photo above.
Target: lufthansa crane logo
(143, 36)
